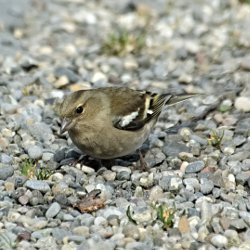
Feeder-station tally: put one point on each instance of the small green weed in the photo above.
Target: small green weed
(215, 138)
(122, 42)
(32, 170)
(245, 1)
(165, 215)
(27, 168)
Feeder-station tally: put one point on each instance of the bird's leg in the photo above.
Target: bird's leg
(80, 160)
(143, 163)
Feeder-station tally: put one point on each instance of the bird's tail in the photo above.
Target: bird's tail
(173, 99)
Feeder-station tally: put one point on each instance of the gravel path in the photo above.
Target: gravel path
(196, 193)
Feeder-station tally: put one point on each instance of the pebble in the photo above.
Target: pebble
(6, 172)
(5, 159)
(71, 76)
(109, 175)
(88, 170)
(245, 63)
(99, 79)
(131, 230)
(164, 182)
(175, 183)
(60, 233)
(123, 175)
(156, 193)
(192, 184)
(121, 169)
(148, 181)
(9, 186)
(206, 186)
(53, 210)
(242, 103)
(37, 185)
(242, 178)
(174, 148)
(195, 167)
(154, 157)
(82, 231)
(219, 241)
(237, 224)
(60, 155)
(47, 156)
(35, 152)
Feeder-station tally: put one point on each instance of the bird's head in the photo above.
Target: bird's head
(73, 109)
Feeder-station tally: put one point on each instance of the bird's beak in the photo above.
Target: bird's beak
(66, 122)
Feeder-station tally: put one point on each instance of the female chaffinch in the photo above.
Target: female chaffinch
(108, 123)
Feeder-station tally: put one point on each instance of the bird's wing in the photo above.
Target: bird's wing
(132, 109)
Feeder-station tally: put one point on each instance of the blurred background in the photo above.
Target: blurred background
(187, 46)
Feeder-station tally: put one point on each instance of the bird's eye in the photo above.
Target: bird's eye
(79, 110)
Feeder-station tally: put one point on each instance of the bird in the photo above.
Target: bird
(111, 122)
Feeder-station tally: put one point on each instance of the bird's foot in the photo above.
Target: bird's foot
(142, 165)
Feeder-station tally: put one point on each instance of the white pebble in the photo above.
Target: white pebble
(242, 103)
(219, 241)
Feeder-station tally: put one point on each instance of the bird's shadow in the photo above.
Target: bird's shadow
(73, 157)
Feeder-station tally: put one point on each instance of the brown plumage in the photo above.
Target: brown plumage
(108, 123)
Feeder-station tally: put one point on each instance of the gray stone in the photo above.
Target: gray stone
(242, 178)
(41, 233)
(245, 63)
(237, 224)
(35, 152)
(206, 186)
(123, 175)
(70, 74)
(243, 126)
(164, 182)
(46, 243)
(131, 230)
(68, 217)
(195, 167)
(86, 219)
(38, 185)
(36, 198)
(78, 239)
(239, 140)
(217, 179)
(5, 159)
(6, 172)
(154, 157)
(60, 155)
(175, 183)
(53, 210)
(121, 169)
(41, 131)
(138, 246)
(82, 231)
(47, 156)
(199, 139)
(192, 184)
(174, 148)
(60, 233)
